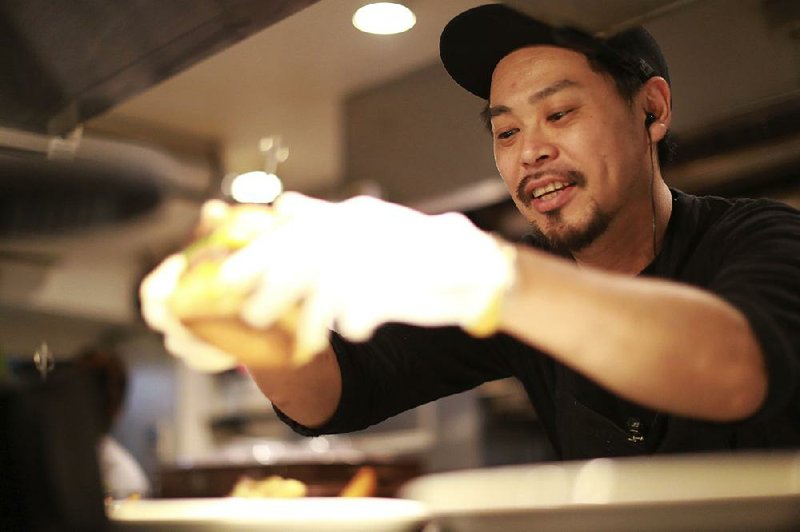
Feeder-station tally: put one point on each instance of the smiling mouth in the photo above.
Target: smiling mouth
(562, 182)
(550, 190)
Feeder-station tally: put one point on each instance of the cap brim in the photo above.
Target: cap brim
(474, 42)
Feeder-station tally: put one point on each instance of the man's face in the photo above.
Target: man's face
(571, 151)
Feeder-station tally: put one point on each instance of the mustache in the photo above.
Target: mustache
(572, 176)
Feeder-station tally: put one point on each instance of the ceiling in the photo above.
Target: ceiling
(287, 80)
(291, 79)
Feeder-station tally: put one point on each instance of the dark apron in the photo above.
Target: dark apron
(590, 422)
(587, 431)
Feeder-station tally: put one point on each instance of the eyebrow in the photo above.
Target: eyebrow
(533, 99)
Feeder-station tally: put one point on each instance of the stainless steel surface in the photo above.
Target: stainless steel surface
(58, 73)
(740, 492)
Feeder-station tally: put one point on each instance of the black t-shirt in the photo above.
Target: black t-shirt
(745, 251)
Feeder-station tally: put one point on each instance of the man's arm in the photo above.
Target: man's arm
(309, 394)
(664, 345)
(661, 344)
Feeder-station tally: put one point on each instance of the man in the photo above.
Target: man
(641, 320)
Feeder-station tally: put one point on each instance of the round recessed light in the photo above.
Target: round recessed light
(384, 18)
(253, 187)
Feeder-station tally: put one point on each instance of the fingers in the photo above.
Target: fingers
(295, 257)
(156, 289)
(352, 266)
(313, 327)
(287, 261)
(285, 269)
(196, 353)
(360, 309)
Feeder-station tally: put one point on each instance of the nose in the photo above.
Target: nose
(537, 149)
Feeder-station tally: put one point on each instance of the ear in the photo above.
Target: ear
(657, 99)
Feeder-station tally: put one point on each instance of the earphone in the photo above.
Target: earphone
(649, 118)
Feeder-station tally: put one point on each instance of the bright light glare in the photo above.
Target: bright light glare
(255, 187)
(319, 444)
(384, 18)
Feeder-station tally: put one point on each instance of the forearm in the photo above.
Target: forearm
(308, 394)
(667, 346)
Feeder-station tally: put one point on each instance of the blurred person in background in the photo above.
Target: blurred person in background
(121, 473)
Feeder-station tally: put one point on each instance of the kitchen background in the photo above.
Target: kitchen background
(368, 114)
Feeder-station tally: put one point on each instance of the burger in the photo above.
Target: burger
(208, 304)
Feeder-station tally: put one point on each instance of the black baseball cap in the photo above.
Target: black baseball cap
(473, 42)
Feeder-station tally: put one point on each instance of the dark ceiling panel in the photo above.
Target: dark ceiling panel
(65, 62)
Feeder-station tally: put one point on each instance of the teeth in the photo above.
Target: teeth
(538, 192)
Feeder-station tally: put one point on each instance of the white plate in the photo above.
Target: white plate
(742, 492)
(310, 514)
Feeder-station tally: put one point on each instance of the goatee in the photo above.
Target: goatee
(562, 239)
(565, 240)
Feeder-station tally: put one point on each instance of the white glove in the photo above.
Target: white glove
(154, 292)
(363, 262)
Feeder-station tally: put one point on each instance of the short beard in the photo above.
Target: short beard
(569, 240)
(572, 239)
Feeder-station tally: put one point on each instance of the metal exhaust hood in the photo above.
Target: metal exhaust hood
(63, 63)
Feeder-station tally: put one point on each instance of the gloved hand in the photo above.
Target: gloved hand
(178, 340)
(350, 266)
(363, 262)
(181, 298)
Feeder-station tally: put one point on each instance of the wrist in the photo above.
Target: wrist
(488, 321)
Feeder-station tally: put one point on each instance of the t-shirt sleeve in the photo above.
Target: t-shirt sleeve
(759, 274)
(402, 367)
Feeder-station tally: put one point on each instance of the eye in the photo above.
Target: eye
(555, 117)
(506, 134)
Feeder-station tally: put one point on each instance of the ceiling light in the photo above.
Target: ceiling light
(253, 187)
(384, 18)
(259, 186)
